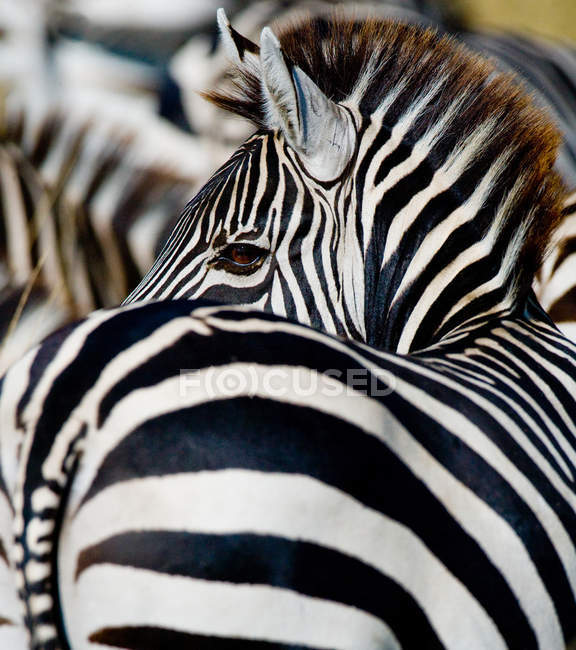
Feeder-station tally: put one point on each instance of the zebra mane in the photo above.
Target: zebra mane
(386, 67)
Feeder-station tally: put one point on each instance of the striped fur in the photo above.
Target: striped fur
(556, 281)
(81, 221)
(265, 498)
(433, 181)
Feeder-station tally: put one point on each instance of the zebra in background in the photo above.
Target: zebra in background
(548, 70)
(431, 504)
(83, 216)
(555, 284)
(92, 179)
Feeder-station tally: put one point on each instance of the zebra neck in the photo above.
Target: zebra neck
(406, 329)
(444, 250)
(443, 298)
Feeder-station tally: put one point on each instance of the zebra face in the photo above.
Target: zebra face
(264, 232)
(272, 228)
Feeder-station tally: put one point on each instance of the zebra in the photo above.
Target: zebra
(233, 243)
(84, 212)
(418, 490)
(555, 284)
(546, 68)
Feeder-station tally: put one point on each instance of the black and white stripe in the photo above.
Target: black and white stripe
(556, 282)
(435, 510)
(181, 473)
(83, 216)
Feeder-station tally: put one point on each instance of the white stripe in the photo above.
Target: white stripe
(568, 329)
(116, 596)
(15, 383)
(282, 254)
(262, 183)
(277, 300)
(311, 273)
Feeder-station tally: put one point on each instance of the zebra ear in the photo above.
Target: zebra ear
(318, 129)
(238, 47)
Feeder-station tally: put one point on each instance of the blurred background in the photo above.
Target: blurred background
(553, 18)
(126, 59)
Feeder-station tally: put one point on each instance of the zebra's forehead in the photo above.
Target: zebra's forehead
(255, 194)
(224, 206)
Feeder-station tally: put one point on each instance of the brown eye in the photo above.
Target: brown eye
(240, 258)
(242, 254)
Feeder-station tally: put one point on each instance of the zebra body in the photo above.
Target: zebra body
(330, 496)
(153, 505)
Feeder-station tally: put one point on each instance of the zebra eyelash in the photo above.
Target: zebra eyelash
(230, 258)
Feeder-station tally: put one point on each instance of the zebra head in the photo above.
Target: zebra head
(397, 186)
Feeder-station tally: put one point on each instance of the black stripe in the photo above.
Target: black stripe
(244, 211)
(299, 566)
(567, 248)
(156, 638)
(563, 310)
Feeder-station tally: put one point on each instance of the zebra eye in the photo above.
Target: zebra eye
(240, 258)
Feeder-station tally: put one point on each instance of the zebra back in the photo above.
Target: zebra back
(214, 476)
